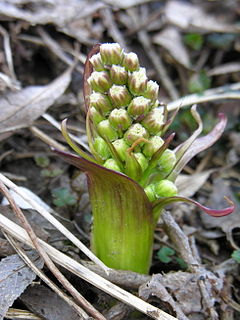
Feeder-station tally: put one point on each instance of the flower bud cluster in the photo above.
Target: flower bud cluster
(125, 112)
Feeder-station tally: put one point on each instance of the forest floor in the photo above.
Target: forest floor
(192, 49)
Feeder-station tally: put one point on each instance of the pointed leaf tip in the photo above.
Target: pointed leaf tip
(161, 203)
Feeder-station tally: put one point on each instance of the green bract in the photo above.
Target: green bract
(132, 171)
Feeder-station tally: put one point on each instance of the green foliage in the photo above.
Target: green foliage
(194, 40)
(51, 173)
(199, 82)
(236, 255)
(42, 161)
(166, 255)
(63, 197)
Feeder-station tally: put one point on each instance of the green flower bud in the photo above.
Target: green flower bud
(120, 119)
(150, 192)
(153, 121)
(112, 165)
(141, 160)
(167, 161)
(101, 102)
(120, 96)
(137, 82)
(135, 132)
(96, 62)
(165, 188)
(95, 115)
(106, 130)
(151, 91)
(130, 61)
(101, 147)
(100, 81)
(118, 75)
(111, 53)
(139, 106)
(152, 146)
(121, 147)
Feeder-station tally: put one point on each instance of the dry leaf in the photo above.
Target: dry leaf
(228, 223)
(47, 304)
(171, 40)
(20, 109)
(187, 16)
(15, 276)
(188, 185)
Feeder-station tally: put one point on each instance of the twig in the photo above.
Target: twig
(8, 52)
(42, 276)
(181, 241)
(225, 92)
(56, 49)
(47, 139)
(87, 275)
(51, 120)
(61, 278)
(112, 28)
(53, 221)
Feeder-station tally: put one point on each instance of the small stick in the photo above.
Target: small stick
(42, 276)
(53, 221)
(61, 278)
(73, 266)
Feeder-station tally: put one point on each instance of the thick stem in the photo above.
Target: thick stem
(122, 233)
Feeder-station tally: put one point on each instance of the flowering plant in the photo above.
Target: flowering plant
(132, 171)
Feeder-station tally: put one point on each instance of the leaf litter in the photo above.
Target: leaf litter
(209, 288)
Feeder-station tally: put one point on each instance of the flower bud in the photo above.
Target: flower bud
(101, 102)
(101, 148)
(130, 61)
(118, 75)
(152, 146)
(100, 81)
(135, 132)
(141, 160)
(139, 106)
(150, 192)
(167, 161)
(137, 82)
(95, 115)
(106, 130)
(165, 188)
(120, 96)
(111, 53)
(112, 165)
(120, 119)
(121, 147)
(153, 121)
(96, 62)
(151, 91)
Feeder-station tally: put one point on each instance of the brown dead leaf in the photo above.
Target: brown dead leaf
(171, 40)
(184, 286)
(216, 200)
(47, 304)
(188, 16)
(20, 109)
(188, 185)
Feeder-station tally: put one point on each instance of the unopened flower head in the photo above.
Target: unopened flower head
(120, 96)
(100, 81)
(153, 121)
(96, 62)
(130, 61)
(118, 74)
(111, 53)
(137, 82)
